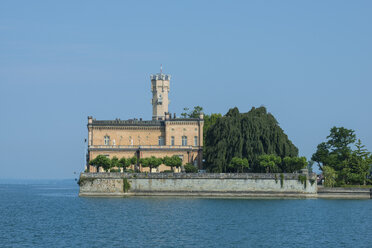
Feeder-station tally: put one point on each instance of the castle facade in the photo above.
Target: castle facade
(162, 136)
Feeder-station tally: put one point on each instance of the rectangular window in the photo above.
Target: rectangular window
(195, 140)
(160, 140)
(107, 140)
(172, 141)
(184, 140)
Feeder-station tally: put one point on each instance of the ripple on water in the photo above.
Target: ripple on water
(52, 215)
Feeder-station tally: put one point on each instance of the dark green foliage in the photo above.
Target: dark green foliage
(126, 185)
(293, 164)
(125, 162)
(281, 180)
(133, 160)
(238, 165)
(189, 168)
(342, 164)
(173, 161)
(101, 161)
(246, 135)
(209, 120)
(115, 162)
(312, 181)
(269, 163)
(303, 180)
(151, 162)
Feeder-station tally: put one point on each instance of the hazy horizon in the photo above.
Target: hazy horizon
(308, 63)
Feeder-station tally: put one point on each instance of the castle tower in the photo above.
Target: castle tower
(160, 90)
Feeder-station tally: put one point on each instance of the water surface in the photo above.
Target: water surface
(50, 214)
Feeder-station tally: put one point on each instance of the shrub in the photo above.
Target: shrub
(189, 168)
(126, 185)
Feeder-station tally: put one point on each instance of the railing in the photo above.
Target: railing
(140, 147)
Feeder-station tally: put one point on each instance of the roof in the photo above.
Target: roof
(136, 122)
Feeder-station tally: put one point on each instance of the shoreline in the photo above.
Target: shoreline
(213, 185)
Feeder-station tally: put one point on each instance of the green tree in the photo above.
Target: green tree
(310, 165)
(195, 113)
(350, 166)
(173, 161)
(152, 162)
(145, 162)
(245, 135)
(329, 176)
(239, 164)
(101, 161)
(125, 162)
(292, 164)
(115, 162)
(270, 163)
(209, 121)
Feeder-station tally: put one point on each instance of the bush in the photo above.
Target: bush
(189, 168)
(168, 171)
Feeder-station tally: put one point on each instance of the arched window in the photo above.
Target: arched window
(172, 141)
(160, 140)
(184, 140)
(195, 140)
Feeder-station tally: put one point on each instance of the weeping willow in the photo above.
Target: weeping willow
(245, 135)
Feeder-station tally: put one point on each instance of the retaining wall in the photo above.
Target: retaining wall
(345, 193)
(199, 184)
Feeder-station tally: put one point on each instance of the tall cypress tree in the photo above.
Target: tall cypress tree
(245, 135)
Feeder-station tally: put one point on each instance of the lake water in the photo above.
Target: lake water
(50, 214)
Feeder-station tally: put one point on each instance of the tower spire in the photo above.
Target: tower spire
(161, 68)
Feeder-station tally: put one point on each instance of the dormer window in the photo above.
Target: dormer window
(107, 140)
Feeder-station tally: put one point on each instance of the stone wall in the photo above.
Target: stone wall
(345, 193)
(206, 184)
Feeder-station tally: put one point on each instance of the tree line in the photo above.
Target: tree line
(114, 164)
(343, 159)
(254, 142)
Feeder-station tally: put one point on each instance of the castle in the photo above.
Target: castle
(162, 136)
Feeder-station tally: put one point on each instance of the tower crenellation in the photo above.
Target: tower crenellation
(160, 84)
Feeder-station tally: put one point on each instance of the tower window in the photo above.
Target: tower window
(107, 140)
(195, 140)
(184, 140)
(172, 140)
(160, 140)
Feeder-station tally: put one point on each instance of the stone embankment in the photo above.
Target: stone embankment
(199, 184)
(345, 193)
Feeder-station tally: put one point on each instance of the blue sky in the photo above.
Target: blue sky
(308, 62)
